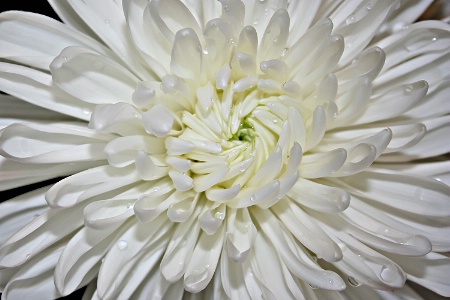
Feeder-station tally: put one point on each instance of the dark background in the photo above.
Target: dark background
(37, 6)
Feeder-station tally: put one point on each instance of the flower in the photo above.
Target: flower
(229, 149)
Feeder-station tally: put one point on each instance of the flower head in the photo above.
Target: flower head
(229, 149)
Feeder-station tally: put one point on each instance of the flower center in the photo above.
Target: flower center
(228, 120)
(246, 132)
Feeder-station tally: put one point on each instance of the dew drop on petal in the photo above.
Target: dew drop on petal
(350, 20)
(219, 215)
(387, 274)
(122, 245)
(86, 111)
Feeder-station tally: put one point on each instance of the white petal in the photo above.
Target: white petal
(306, 230)
(319, 197)
(16, 110)
(158, 120)
(356, 33)
(17, 212)
(92, 77)
(15, 174)
(204, 261)
(77, 263)
(241, 234)
(430, 271)
(22, 33)
(409, 193)
(35, 278)
(26, 144)
(149, 206)
(104, 214)
(275, 36)
(136, 245)
(108, 22)
(179, 250)
(37, 87)
(186, 61)
(89, 183)
(38, 235)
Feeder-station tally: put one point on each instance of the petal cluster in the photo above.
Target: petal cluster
(225, 149)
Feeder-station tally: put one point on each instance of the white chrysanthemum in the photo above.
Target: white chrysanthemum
(232, 149)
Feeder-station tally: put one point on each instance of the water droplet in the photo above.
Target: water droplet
(130, 205)
(107, 22)
(275, 121)
(242, 168)
(205, 51)
(387, 274)
(409, 88)
(399, 26)
(253, 198)
(350, 20)
(85, 111)
(386, 230)
(226, 8)
(28, 255)
(122, 245)
(180, 262)
(397, 6)
(219, 215)
(353, 281)
(369, 6)
(206, 265)
(64, 57)
(313, 287)
(330, 282)
(135, 115)
(157, 188)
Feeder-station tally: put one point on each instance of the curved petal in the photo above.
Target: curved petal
(92, 77)
(22, 36)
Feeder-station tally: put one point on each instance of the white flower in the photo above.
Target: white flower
(233, 149)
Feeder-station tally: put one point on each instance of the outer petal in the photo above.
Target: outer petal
(92, 77)
(38, 88)
(107, 20)
(34, 40)
(36, 277)
(17, 212)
